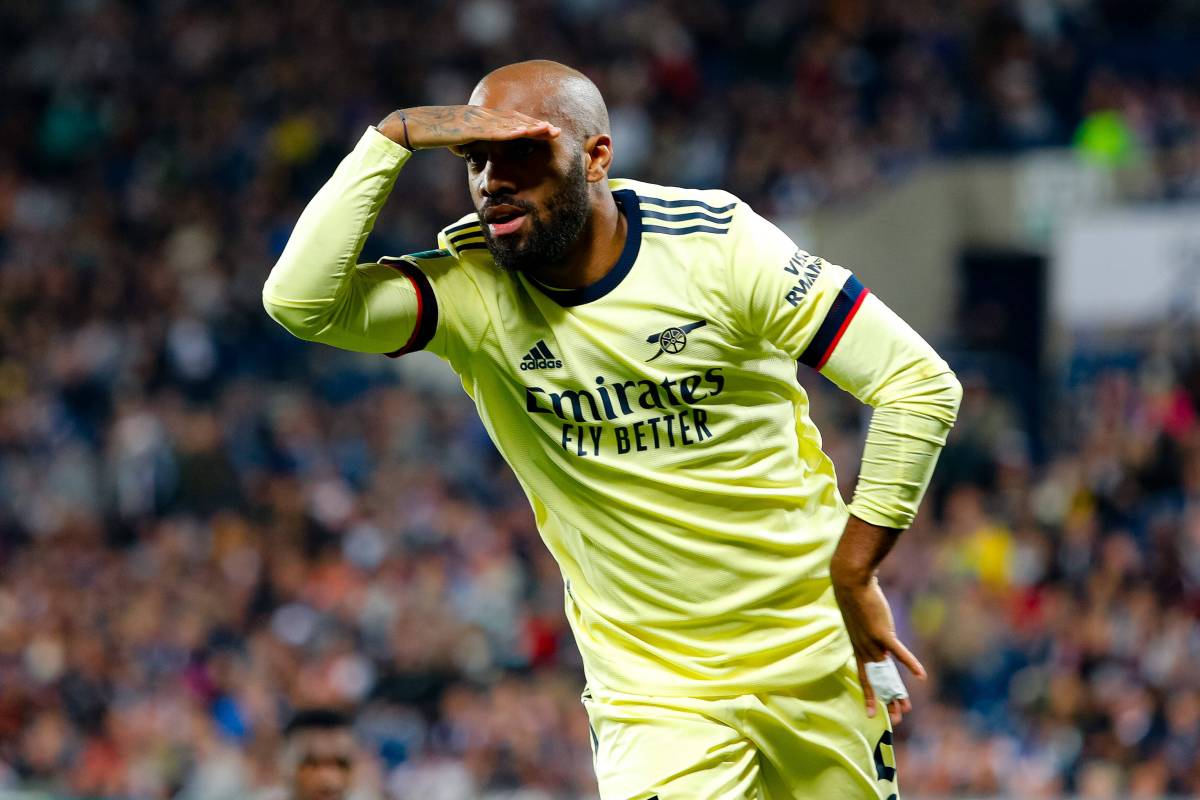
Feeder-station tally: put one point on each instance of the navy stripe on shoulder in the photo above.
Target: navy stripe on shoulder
(845, 305)
(471, 246)
(655, 201)
(683, 231)
(461, 226)
(464, 236)
(427, 310)
(685, 215)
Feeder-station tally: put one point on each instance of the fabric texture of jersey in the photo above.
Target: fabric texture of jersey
(811, 741)
(654, 418)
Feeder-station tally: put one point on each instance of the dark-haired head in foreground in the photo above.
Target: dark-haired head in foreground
(319, 754)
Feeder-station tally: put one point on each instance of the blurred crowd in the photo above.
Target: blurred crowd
(1057, 605)
(205, 524)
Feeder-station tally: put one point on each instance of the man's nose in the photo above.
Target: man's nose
(495, 180)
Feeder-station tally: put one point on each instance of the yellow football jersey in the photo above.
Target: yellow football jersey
(653, 418)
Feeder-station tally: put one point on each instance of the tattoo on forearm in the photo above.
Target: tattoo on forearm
(449, 121)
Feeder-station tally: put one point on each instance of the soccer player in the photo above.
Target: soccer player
(632, 351)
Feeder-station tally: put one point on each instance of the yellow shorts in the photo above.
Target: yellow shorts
(814, 741)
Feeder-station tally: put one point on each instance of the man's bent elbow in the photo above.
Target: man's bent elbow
(936, 393)
(950, 396)
(302, 323)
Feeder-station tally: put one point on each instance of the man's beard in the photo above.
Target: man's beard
(551, 234)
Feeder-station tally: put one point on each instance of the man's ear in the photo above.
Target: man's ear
(597, 151)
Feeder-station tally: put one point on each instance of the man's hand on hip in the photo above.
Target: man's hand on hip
(869, 618)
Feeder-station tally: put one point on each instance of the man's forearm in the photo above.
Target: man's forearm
(316, 268)
(860, 551)
(898, 460)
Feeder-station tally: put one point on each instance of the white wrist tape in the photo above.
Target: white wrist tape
(885, 680)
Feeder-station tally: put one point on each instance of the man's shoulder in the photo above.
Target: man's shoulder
(656, 198)
(463, 238)
(460, 244)
(460, 241)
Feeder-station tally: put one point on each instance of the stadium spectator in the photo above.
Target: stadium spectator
(319, 755)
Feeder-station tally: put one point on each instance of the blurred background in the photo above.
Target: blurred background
(205, 524)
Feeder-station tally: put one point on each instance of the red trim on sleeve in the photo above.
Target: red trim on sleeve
(425, 325)
(837, 337)
(416, 323)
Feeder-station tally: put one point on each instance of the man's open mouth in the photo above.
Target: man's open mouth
(504, 220)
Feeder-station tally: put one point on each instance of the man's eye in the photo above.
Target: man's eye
(475, 157)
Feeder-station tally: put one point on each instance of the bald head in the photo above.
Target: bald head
(539, 195)
(546, 90)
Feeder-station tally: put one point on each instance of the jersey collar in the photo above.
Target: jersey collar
(627, 202)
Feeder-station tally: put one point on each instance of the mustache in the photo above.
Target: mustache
(505, 200)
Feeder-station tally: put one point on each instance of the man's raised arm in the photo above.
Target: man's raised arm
(317, 290)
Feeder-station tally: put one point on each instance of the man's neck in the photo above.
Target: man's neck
(598, 250)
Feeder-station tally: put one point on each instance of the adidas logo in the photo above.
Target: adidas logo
(539, 357)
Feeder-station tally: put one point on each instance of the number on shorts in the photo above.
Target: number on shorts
(882, 771)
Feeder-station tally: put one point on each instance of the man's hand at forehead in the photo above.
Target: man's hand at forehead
(424, 127)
